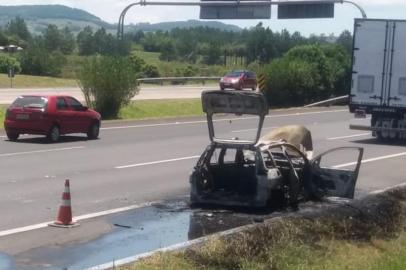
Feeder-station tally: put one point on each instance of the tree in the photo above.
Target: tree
(340, 66)
(168, 52)
(36, 60)
(6, 62)
(85, 41)
(52, 38)
(314, 55)
(18, 28)
(3, 39)
(290, 82)
(308, 73)
(345, 39)
(67, 45)
(108, 83)
(101, 43)
(213, 54)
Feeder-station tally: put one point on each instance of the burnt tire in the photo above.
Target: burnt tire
(93, 132)
(54, 134)
(13, 136)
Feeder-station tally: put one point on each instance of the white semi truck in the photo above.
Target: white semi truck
(379, 77)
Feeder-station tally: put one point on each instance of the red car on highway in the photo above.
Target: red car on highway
(52, 116)
(238, 80)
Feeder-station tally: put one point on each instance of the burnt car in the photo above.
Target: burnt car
(277, 168)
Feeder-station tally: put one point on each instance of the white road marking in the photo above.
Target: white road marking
(156, 162)
(78, 218)
(217, 120)
(40, 151)
(123, 209)
(349, 136)
(370, 160)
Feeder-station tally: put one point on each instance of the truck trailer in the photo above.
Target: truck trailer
(378, 86)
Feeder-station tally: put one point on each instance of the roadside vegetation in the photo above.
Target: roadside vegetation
(149, 109)
(367, 237)
(2, 114)
(108, 83)
(298, 69)
(29, 81)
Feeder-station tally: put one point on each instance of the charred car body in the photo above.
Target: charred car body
(276, 168)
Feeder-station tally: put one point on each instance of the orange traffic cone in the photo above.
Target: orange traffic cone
(64, 218)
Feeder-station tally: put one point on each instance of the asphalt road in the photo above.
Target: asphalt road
(136, 162)
(8, 95)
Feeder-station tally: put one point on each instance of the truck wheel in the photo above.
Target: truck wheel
(13, 136)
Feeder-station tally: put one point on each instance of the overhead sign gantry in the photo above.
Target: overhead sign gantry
(251, 9)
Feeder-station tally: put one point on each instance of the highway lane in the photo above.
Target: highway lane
(135, 162)
(8, 95)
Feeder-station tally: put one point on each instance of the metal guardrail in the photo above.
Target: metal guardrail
(328, 101)
(177, 80)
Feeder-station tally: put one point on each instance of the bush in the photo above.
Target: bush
(308, 73)
(108, 83)
(6, 62)
(37, 61)
(290, 82)
(150, 71)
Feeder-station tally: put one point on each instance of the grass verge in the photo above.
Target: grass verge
(27, 81)
(356, 239)
(150, 109)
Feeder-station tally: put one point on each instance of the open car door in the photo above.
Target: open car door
(333, 175)
(240, 103)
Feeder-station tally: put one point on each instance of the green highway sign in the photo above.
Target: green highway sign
(305, 11)
(241, 10)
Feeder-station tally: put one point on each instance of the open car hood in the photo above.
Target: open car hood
(234, 102)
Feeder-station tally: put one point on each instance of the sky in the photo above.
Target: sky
(109, 10)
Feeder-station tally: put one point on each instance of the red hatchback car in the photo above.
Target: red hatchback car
(51, 116)
(238, 80)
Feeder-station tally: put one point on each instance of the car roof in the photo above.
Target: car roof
(44, 96)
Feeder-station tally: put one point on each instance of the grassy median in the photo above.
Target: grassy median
(27, 81)
(366, 236)
(149, 109)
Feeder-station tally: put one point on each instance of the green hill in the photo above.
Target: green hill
(38, 17)
(47, 12)
(167, 26)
